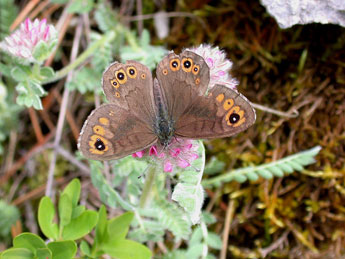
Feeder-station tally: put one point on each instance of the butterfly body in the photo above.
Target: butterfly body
(178, 103)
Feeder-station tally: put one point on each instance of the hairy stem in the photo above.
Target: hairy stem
(87, 53)
(148, 187)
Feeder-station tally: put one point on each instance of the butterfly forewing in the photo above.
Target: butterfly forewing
(182, 78)
(130, 86)
(223, 113)
(112, 132)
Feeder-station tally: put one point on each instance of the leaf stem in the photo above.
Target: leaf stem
(148, 186)
(87, 53)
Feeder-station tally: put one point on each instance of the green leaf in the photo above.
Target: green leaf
(29, 241)
(46, 72)
(208, 218)
(16, 253)
(127, 249)
(106, 18)
(63, 249)
(101, 227)
(214, 166)
(65, 210)
(196, 237)
(80, 6)
(73, 191)
(195, 251)
(214, 241)
(43, 253)
(9, 214)
(46, 214)
(277, 168)
(241, 178)
(77, 211)
(119, 226)
(85, 248)
(191, 198)
(36, 102)
(36, 87)
(173, 219)
(252, 176)
(80, 226)
(190, 194)
(59, 1)
(19, 74)
(265, 174)
(41, 51)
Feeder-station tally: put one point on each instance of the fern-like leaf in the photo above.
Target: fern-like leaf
(173, 219)
(104, 54)
(189, 192)
(286, 165)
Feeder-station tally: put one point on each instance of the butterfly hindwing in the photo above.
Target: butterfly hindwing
(111, 132)
(223, 113)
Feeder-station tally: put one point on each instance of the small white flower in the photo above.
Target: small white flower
(218, 64)
(23, 41)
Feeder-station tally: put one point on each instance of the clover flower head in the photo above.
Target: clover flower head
(219, 65)
(180, 153)
(24, 41)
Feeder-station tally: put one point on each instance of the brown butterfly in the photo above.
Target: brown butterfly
(143, 111)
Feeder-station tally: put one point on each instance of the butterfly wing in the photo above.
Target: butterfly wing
(223, 113)
(112, 132)
(130, 86)
(182, 78)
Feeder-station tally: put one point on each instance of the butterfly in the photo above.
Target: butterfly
(143, 111)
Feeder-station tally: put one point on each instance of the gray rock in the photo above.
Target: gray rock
(291, 12)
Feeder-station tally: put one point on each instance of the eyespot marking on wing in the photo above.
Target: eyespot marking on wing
(187, 64)
(131, 72)
(143, 76)
(196, 69)
(114, 83)
(98, 145)
(121, 76)
(197, 81)
(174, 64)
(117, 94)
(235, 117)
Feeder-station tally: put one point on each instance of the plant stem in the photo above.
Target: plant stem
(148, 186)
(87, 53)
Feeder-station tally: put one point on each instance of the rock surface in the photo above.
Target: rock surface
(291, 12)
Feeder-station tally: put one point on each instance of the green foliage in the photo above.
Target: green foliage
(104, 55)
(84, 80)
(141, 50)
(80, 6)
(29, 85)
(9, 214)
(286, 165)
(189, 192)
(74, 223)
(8, 12)
(8, 114)
(28, 245)
(198, 244)
(105, 16)
(75, 220)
